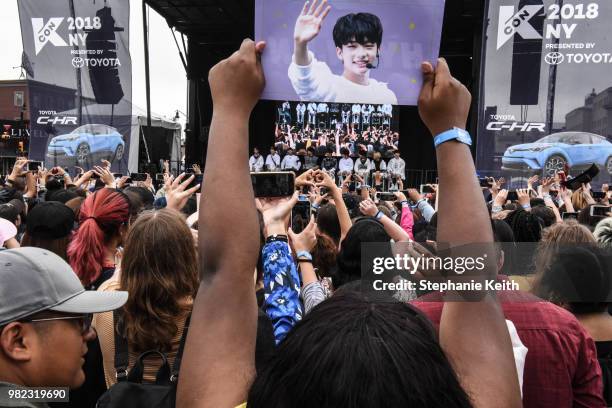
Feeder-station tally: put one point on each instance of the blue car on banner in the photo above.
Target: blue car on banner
(85, 145)
(579, 150)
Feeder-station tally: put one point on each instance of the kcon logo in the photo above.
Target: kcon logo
(554, 58)
(511, 23)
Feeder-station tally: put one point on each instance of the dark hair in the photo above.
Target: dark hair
(146, 196)
(328, 223)
(360, 27)
(352, 352)
(546, 214)
(9, 212)
(58, 246)
(324, 255)
(526, 226)
(364, 230)
(61, 195)
(579, 279)
(344, 150)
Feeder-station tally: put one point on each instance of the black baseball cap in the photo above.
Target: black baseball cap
(50, 220)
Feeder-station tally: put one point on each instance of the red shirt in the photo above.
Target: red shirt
(561, 368)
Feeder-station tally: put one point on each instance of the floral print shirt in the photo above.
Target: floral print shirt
(282, 288)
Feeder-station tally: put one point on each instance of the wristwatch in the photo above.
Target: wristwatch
(460, 135)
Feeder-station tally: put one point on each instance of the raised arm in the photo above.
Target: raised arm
(473, 334)
(219, 360)
(307, 27)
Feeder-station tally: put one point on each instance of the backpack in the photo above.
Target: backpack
(130, 390)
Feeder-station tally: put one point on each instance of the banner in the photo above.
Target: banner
(79, 79)
(546, 89)
(347, 51)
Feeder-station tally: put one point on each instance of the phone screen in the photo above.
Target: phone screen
(300, 216)
(570, 216)
(33, 166)
(138, 176)
(425, 189)
(600, 211)
(512, 195)
(386, 196)
(281, 184)
(598, 195)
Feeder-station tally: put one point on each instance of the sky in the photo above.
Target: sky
(168, 77)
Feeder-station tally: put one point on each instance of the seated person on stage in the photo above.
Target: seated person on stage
(379, 167)
(345, 166)
(329, 163)
(358, 39)
(363, 166)
(310, 160)
(291, 162)
(397, 166)
(273, 161)
(256, 162)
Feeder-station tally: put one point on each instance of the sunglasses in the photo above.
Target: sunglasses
(84, 321)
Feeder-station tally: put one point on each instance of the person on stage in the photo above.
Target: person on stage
(310, 160)
(358, 39)
(312, 114)
(379, 171)
(300, 110)
(346, 164)
(397, 166)
(346, 114)
(363, 166)
(356, 114)
(256, 161)
(273, 161)
(322, 115)
(291, 162)
(329, 164)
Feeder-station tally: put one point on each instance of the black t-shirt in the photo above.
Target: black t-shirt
(604, 357)
(106, 274)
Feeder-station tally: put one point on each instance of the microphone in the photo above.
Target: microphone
(370, 66)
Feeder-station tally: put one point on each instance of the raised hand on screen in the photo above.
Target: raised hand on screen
(308, 24)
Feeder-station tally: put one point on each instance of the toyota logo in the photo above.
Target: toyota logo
(78, 62)
(554, 58)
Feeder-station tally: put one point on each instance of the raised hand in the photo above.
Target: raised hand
(367, 207)
(236, 83)
(444, 102)
(177, 192)
(523, 197)
(308, 24)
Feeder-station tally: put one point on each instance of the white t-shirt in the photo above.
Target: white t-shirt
(316, 82)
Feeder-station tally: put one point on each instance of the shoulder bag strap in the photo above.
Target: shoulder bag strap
(122, 358)
(179, 354)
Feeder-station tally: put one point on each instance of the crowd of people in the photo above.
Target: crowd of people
(371, 139)
(230, 301)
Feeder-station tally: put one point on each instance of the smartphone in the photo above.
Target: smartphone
(138, 176)
(273, 184)
(95, 176)
(600, 211)
(117, 175)
(33, 166)
(483, 181)
(159, 177)
(300, 210)
(386, 197)
(598, 195)
(512, 195)
(425, 189)
(323, 191)
(570, 216)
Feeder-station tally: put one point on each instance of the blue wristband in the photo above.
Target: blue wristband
(457, 134)
(379, 215)
(304, 255)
